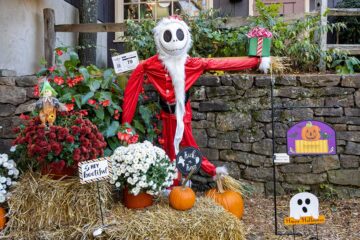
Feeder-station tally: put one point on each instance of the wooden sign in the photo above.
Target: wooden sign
(311, 138)
(187, 159)
(94, 170)
(304, 209)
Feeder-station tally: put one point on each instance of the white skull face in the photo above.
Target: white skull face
(172, 37)
(303, 205)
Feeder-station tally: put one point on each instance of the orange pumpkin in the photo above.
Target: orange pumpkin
(230, 200)
(182, 198)
(2, 218)
(310, 132)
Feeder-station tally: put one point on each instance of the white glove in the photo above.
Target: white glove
(265, 64)
(220, 171)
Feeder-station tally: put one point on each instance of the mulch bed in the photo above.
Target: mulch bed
(342, 219)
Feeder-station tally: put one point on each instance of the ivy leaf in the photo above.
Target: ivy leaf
(94, 85)
(108, 76)
(112, 129)
(139, 126)
(100, 113)
(86, 97)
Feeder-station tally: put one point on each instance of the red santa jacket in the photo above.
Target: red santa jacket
(161, 80)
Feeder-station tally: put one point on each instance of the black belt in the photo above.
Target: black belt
(170, 107)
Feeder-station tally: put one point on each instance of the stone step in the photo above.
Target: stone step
(7, 73)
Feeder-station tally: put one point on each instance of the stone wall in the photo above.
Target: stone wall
(232, 125)
(16, 94)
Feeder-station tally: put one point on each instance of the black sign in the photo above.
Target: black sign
(187, 159)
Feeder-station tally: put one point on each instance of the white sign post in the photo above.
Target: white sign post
(125, 62)
(281, 158)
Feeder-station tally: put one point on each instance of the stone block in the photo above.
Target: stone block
(328, 112)
(226, 80)
(324, 163)
(262, 81)
(219, 143)
(352, 148)
(296, 114)
(262, 115)
(333, 91)
(263, 147)
(343, 120)
(208, 80)
(211, 154)
(231, 136)
(198, 93)
(214, 106)
(26, 107)
(351, 81)
(200, 136)
(357, 98)
(198, 115)
(26, 81)
(352, 112)
(212, 132)
(232, 121)
(256, 92)
(347, 192)
(202, 124)
(243, 81)
(12, 95)
(5, 145)
(241, 157)
(280, 129)
(251, 135)
(303, 159)
(316, 80)
(345, 177)
(194, 105)
(6, 110)
(269, 189)
(340, 127)
(7, 73)
(353, 128)
(8, 124)
(10, 81)
(220, 91)
(305, 178)
(342, 101)
(286, 80)
(309, 102)
(244, 147)
(293, 92)
(349, 161)
(290, 188)
(296, 168)
(352, 136)
(260, 174)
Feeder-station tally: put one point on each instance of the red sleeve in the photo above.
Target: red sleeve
(208, 167)
(131, 95)
(230, 63)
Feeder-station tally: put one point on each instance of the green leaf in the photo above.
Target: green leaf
(94, 85)
(74, 58)
(85, 73)
(77, 98)
(108, 76)
(100, 113)
(66, 97)
(86, 97)
(112, 129)
(113, 143)
(139, 126)
(146, 115)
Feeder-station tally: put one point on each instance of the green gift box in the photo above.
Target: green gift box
(253, 45)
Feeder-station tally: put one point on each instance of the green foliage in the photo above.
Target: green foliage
(327, 192)
(350, 35)
(342, 63)
(100, 93)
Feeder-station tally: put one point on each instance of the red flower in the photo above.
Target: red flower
(51, 69)
(58, 80)
(76, 157)
(161, 141)
(69, 139)
(91, 101)
(105, 103)
(72, 99)
(59, 52)
(52, 135)
(75, 130)
(36, 91)
(69, 106)
(24, 117)
(84, 112)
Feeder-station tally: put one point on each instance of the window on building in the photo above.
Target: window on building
(155, 9)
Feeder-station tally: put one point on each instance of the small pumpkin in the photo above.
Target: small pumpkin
(2, 218)
(310, 132)
(230, 200)
(182, 197)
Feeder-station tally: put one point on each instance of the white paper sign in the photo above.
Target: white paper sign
(282, 158)
(94, 170)
(125, 62)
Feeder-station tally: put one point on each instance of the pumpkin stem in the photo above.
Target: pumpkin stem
(219, 185)
(193, 169)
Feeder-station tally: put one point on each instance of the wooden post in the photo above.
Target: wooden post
(49, 35)
(323, 34)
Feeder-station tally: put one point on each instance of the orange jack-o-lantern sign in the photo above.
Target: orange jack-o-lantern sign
(310, 132)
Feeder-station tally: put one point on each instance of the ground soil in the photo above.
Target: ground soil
(342, 219)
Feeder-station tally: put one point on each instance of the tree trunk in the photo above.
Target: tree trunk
(88, 14)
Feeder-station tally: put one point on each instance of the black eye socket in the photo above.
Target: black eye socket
(167, 36)
(180, 34)
(307, 201)
(299, 201)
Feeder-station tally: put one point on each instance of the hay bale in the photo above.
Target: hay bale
(42, 208)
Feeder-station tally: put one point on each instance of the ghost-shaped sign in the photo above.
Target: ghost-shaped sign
(304, 209)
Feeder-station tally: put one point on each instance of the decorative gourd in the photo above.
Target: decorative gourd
(310, 132)
(2, 218)
(230, 200)
(182, 197)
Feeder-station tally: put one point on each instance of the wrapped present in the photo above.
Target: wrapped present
(259, 42)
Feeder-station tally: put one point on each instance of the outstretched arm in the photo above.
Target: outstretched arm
(231, 63)
(131, 94)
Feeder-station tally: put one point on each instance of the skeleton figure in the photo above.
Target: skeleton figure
(172, 72)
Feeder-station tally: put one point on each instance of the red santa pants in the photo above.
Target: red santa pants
(168, 131)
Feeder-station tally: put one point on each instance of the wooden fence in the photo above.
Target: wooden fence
(50, 29)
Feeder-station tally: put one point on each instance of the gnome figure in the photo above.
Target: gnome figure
(48, 104)
(172, 72)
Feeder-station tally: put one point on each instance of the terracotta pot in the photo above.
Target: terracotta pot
(140, 201)
(2, 218)
(56, 172)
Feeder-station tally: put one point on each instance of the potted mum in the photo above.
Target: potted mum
(57, 149)
(143, 170)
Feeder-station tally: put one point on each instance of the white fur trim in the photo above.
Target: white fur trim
(222, 170)
(265, 64)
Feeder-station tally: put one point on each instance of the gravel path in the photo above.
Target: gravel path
(342, 219)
